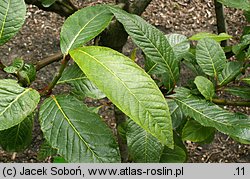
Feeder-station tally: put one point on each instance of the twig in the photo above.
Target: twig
(51, 59)
(49, 88)
(231, 103)
(63, 10)
(220, 18)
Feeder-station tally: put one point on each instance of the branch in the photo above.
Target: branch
(46, 61)
(231, 103)
(220, 18)
(49, 88)
(63, 8)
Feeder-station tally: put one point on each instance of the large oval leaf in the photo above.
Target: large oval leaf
(153, 43)
(210, 57)
(143, 147)
(19, 137)
(83, 26)
(16, 103)
(12, 16)
(78, 134)
(129, 87)
(211, 115)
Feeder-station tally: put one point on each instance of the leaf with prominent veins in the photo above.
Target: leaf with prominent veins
(12, 16)
(129, 87)
(83, 26)
(16, 103)
(79, 134)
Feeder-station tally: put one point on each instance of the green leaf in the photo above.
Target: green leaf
(46, 151)
(243, 92)
(78, 134)
(191, 62)
(59, 159)
(16, 66)
(30, 70)
(27, 75)
(205, 86)
(242, 141)
(217, 38)
(142, 146)
(247, 16)
(80, 84)
(153, 43)
(83, 26)
(246, 80)
(16, 103)
(211, 115)
(19, 137)
(195, 132)
(177, 115)
(179, 43)
(12, 16)
(210, 57)
(240, 4)
(176, 155)
(129, 87)
(47, 3)
(238, 49)
(230, 72)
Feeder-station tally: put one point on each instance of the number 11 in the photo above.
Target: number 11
(240, 171)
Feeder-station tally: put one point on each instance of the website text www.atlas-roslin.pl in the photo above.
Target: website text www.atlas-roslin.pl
(128, 171)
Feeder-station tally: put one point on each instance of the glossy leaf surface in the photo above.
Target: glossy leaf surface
(83, 26)
(229, 73)
(210, 57)
(143, 147)
(129, 87)
(195, 132)
(19, 137)
(211, 115)
(16, 103)
(205, 86)
(80, 84)
(12, 16)
(153, 43)
(78, 134)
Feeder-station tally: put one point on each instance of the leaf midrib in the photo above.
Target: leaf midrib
(202, 114)
(76, 36)
(73, 127)
(169, 68)
(111, 72)
(4, 19)
(211, 59)
(17, 97)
